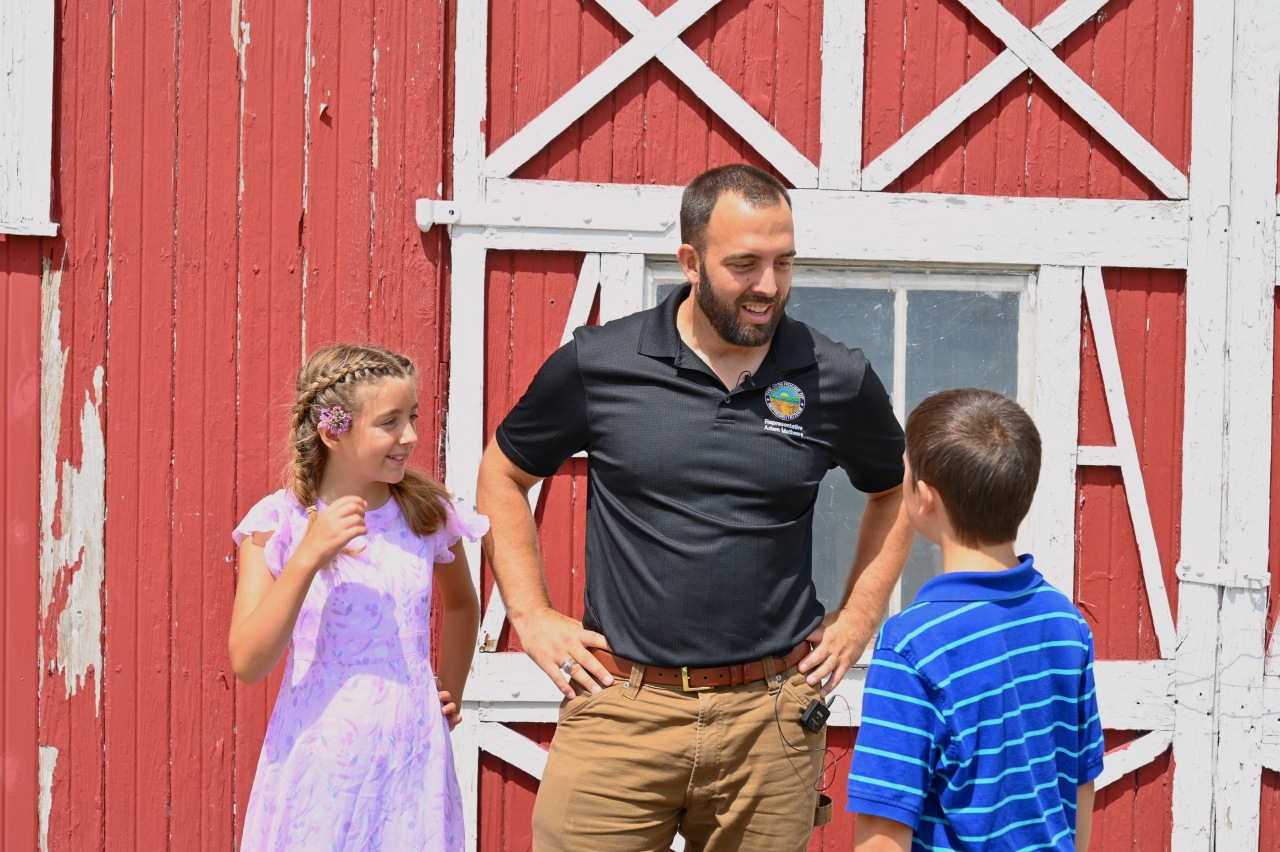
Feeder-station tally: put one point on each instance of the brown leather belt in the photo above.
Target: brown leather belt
(697, 680)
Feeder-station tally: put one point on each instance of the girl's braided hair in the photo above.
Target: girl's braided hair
(334, 376)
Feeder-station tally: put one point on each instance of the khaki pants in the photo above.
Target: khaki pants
(633, 764)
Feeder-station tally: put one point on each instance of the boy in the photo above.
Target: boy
(980, 724)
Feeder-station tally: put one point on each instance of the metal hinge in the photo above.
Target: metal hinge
(1223, 575)
(432, 212)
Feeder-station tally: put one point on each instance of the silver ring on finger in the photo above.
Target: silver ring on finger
(568, 666)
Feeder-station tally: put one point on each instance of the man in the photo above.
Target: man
(709, 421)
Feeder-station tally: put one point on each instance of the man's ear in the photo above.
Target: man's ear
(688, 257)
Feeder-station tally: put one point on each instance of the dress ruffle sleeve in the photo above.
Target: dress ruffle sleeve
(271, 514)
(462, 522)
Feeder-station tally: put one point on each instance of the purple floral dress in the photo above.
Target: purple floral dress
(357, 753)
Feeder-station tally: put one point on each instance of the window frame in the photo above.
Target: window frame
(901, 279)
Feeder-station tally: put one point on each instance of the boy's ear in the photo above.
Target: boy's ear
(928, 497)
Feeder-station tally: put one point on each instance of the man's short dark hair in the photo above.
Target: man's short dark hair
(757, 187)
(981, 452)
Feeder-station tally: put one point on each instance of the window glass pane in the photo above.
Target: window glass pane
(959, 339)
(861, 318)
(956, 339)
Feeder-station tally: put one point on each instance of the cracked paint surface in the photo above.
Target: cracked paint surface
(78, 549)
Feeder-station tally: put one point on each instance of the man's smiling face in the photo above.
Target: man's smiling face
(745, 270)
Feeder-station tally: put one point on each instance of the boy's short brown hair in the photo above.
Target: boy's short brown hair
(981, 452)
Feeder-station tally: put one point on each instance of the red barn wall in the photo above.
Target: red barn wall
(20, 554)
(217, 224)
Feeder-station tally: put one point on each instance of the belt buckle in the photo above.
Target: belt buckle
(684, 678)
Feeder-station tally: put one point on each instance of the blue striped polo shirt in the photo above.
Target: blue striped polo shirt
(979, 716)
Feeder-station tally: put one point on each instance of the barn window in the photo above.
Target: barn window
(924, 330)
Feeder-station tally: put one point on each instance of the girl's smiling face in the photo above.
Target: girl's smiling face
(382, 434)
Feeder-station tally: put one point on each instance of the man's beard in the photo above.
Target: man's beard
(723, 315)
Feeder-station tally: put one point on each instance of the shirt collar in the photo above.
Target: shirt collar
(982, 585)
(792, 349)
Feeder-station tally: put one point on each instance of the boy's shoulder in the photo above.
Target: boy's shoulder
(952, 607)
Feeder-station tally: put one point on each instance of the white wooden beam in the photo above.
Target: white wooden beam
(1135, 696)
(984, 86)
(1127, 449)
(690, 70)
(1078, 95)
(470, 99)
(1255, 106)
(509, 687)
(621, 285)
(518, 750)
(844, 35)
(1133, 756)
(26, 131)
(591, 89)
(1098, 456)
(834, 225)
(464, 424)
(1056, 413)
(1204, 412)
(466, 761)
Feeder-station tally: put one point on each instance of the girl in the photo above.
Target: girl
(338, 567)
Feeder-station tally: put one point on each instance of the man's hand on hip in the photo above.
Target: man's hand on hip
(551, 640)
(838, 643)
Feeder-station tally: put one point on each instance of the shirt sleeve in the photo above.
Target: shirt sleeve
(1092, 748)
(900, 741)
(549, 423)
(871, 445)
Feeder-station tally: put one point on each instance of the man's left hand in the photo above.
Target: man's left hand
(838, 643)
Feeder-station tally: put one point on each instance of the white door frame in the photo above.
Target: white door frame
(1207, 695)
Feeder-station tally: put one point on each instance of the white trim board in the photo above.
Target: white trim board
(26, 102)
(509, 687)
(830, 225)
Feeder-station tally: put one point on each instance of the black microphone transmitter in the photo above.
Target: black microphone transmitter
(815, 716)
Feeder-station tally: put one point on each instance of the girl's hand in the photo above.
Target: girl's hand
(334, 528)
(452, 714)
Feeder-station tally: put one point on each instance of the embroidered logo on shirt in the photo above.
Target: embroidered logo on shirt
(785, 400)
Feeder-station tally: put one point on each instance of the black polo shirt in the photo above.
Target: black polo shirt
(700, 499)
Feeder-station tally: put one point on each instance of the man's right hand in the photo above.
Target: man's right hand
(550, 639)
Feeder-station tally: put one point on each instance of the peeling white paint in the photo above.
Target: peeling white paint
(78, 638)
(48, 760)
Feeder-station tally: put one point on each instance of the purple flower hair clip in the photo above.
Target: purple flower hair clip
(335, 419)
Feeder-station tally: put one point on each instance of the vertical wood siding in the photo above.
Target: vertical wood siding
(20, 555)
(216, 227)
(1133, 812)
(1135, 53)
